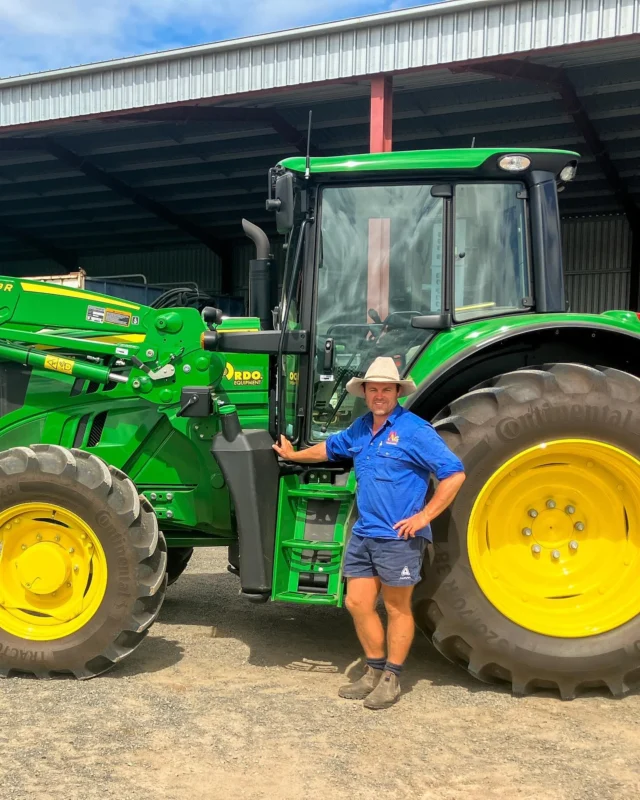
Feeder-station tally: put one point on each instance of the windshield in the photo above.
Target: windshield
(380, 263)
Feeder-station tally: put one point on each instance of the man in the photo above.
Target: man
(394, 453)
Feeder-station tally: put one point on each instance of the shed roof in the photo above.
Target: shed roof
(427, 36)
(89, 155)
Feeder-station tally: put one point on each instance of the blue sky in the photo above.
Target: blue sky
(47, 34)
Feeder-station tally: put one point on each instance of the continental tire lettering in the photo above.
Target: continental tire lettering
(441, 563)
(467, 615)
(104, 521)
(511, 428)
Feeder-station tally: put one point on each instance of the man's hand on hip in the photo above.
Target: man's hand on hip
(407, 528)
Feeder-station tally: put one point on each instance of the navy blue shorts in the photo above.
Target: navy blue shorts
(397, 562)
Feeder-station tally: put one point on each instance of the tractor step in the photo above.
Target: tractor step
(310, 540)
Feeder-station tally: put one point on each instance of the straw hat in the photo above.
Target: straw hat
(383, 370)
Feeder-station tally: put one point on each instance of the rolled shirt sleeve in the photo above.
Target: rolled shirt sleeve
(339, 443)
(430, 451)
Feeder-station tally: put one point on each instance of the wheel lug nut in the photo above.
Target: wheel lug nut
(573, 545)
(39, 537)
(570, 509)
(24, 546)
(533, 513)
(579, 526)
(56, 538)
(71, 550)
(555, 554)
(551, 503)
(76, 568)
(68, 585)
(535, 549)
(527, 531)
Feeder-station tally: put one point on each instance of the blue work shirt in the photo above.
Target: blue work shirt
(393, 468)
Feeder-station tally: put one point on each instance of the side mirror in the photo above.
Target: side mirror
(282, 203)
(432, 322)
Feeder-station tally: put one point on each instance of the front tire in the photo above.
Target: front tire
(533, 581)
(82, 564)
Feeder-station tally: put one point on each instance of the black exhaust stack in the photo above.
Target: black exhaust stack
(262, 283)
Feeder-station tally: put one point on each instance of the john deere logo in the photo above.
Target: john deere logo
(243, 377)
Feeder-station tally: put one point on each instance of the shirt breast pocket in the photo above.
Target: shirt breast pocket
(390, 465)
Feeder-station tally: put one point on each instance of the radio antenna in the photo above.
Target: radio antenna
(473, 142)
(307, 170)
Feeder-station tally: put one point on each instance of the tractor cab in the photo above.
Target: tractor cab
(384, 251)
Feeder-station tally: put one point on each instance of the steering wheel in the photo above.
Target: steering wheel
(397, 320)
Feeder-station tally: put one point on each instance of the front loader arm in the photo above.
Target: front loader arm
(105, 339)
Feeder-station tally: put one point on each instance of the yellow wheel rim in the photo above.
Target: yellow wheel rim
(53, 572)
(554, 538)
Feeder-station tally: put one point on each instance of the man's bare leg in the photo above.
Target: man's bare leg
(400, 626)
(400, 629)
(362, 594)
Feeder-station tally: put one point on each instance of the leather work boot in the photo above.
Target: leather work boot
(360, 689)
(386, 692)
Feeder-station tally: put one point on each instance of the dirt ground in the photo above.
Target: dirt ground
(229, 700)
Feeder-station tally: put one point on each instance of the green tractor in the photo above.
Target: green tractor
(117, 420)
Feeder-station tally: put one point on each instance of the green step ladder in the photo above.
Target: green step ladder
(310, 539)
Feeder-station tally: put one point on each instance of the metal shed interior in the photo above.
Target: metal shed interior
(161, 190)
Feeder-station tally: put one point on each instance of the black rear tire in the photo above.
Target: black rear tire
(486, 428)
(177, 561)
(134, 552)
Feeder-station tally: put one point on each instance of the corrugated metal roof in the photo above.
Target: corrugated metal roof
(214, 172)
(429, 36)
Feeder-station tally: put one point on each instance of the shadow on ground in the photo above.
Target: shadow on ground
(297, 637)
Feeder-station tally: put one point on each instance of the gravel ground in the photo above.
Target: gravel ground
(229, 700)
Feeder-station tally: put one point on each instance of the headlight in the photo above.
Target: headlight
(514, 163)
(568, 173)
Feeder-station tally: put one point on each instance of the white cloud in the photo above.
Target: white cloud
(47, 34)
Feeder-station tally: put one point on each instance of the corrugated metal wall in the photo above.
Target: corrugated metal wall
(597, 262)
(191, 264)
(194, 264)
(597, 259)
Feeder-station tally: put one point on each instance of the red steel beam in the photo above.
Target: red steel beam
(381, 114)
(380, 229)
